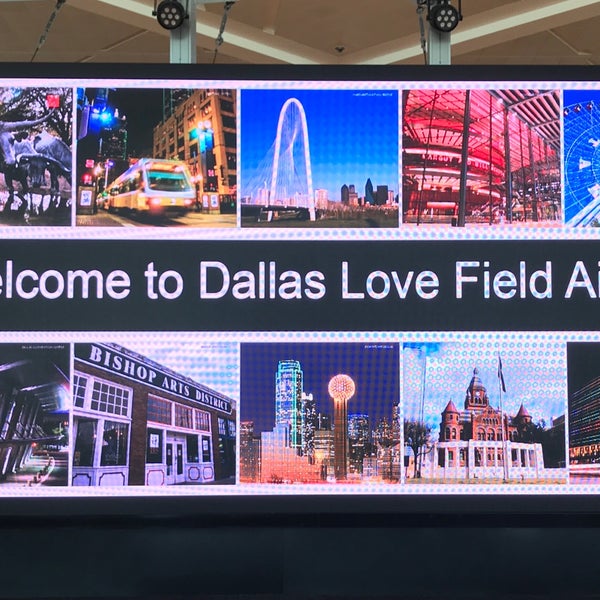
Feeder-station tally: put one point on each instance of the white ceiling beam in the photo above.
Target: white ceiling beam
(482, 30)
(239, 41)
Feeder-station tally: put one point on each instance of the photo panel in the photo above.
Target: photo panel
(484, 411)
(581, 159)
(35, 402)
(584, 403)
(323, 413)
(35, 156)
(160, 157)
(479, 157)
(319, 158)
(155, 413)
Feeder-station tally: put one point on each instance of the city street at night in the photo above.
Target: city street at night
(192, 219)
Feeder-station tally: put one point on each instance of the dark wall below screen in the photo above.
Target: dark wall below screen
(162, 560)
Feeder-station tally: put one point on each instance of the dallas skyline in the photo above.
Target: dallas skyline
(353, 135)
(373, 367)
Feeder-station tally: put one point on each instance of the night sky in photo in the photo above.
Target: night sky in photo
(143, 109)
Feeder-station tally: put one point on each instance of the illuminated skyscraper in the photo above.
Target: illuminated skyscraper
(249, 452)
(288, 399)
(358, 440)
(308, 426)
(584, 423)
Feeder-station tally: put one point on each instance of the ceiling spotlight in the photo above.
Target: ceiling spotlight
(443, 16)
(170, 14)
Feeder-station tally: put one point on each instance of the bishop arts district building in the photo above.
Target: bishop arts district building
(136, 422)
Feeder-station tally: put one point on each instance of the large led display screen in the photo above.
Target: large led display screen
(306, 286)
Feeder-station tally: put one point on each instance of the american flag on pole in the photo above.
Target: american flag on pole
(501, 375)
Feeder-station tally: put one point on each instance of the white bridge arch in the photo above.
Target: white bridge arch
(290, 138)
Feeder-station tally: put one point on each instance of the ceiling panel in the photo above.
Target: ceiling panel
(307, 32)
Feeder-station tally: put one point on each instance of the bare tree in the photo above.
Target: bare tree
(416, 436)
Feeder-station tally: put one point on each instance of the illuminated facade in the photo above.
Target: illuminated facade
(201, 130)
(280, 461)
(288, 400)
(308, 412)
(249, 453)
(584, 424)
(358, 441)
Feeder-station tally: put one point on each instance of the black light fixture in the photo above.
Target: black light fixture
(443, 16)
(170, 14)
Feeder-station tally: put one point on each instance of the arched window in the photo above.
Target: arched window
(447, 433)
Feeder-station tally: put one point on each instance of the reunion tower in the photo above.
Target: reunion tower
(341, 388)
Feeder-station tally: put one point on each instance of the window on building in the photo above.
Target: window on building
(192, 448)
(206, 453)
(83, 455)
(114, 443)
(202, 420)
(184, 416)
(230, 139)
(109, 398)
(154, 446)
(79, 385)
(228, 121)
(159, 410)
(227, 106)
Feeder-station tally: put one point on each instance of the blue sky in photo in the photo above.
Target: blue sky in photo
(535, 374)
(353, 135)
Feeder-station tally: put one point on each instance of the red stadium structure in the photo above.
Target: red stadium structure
(481, 156)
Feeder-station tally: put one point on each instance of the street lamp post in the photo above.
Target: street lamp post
(107, 165)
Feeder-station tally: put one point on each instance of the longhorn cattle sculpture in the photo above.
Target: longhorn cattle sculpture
(9, 165)
(46, 153)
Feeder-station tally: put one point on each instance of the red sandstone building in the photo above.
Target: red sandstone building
(474, 442)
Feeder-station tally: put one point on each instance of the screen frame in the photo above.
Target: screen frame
(286, 508)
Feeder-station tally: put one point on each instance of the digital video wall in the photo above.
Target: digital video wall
(242, 287)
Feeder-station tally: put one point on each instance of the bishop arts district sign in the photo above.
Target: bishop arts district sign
(124, 363)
